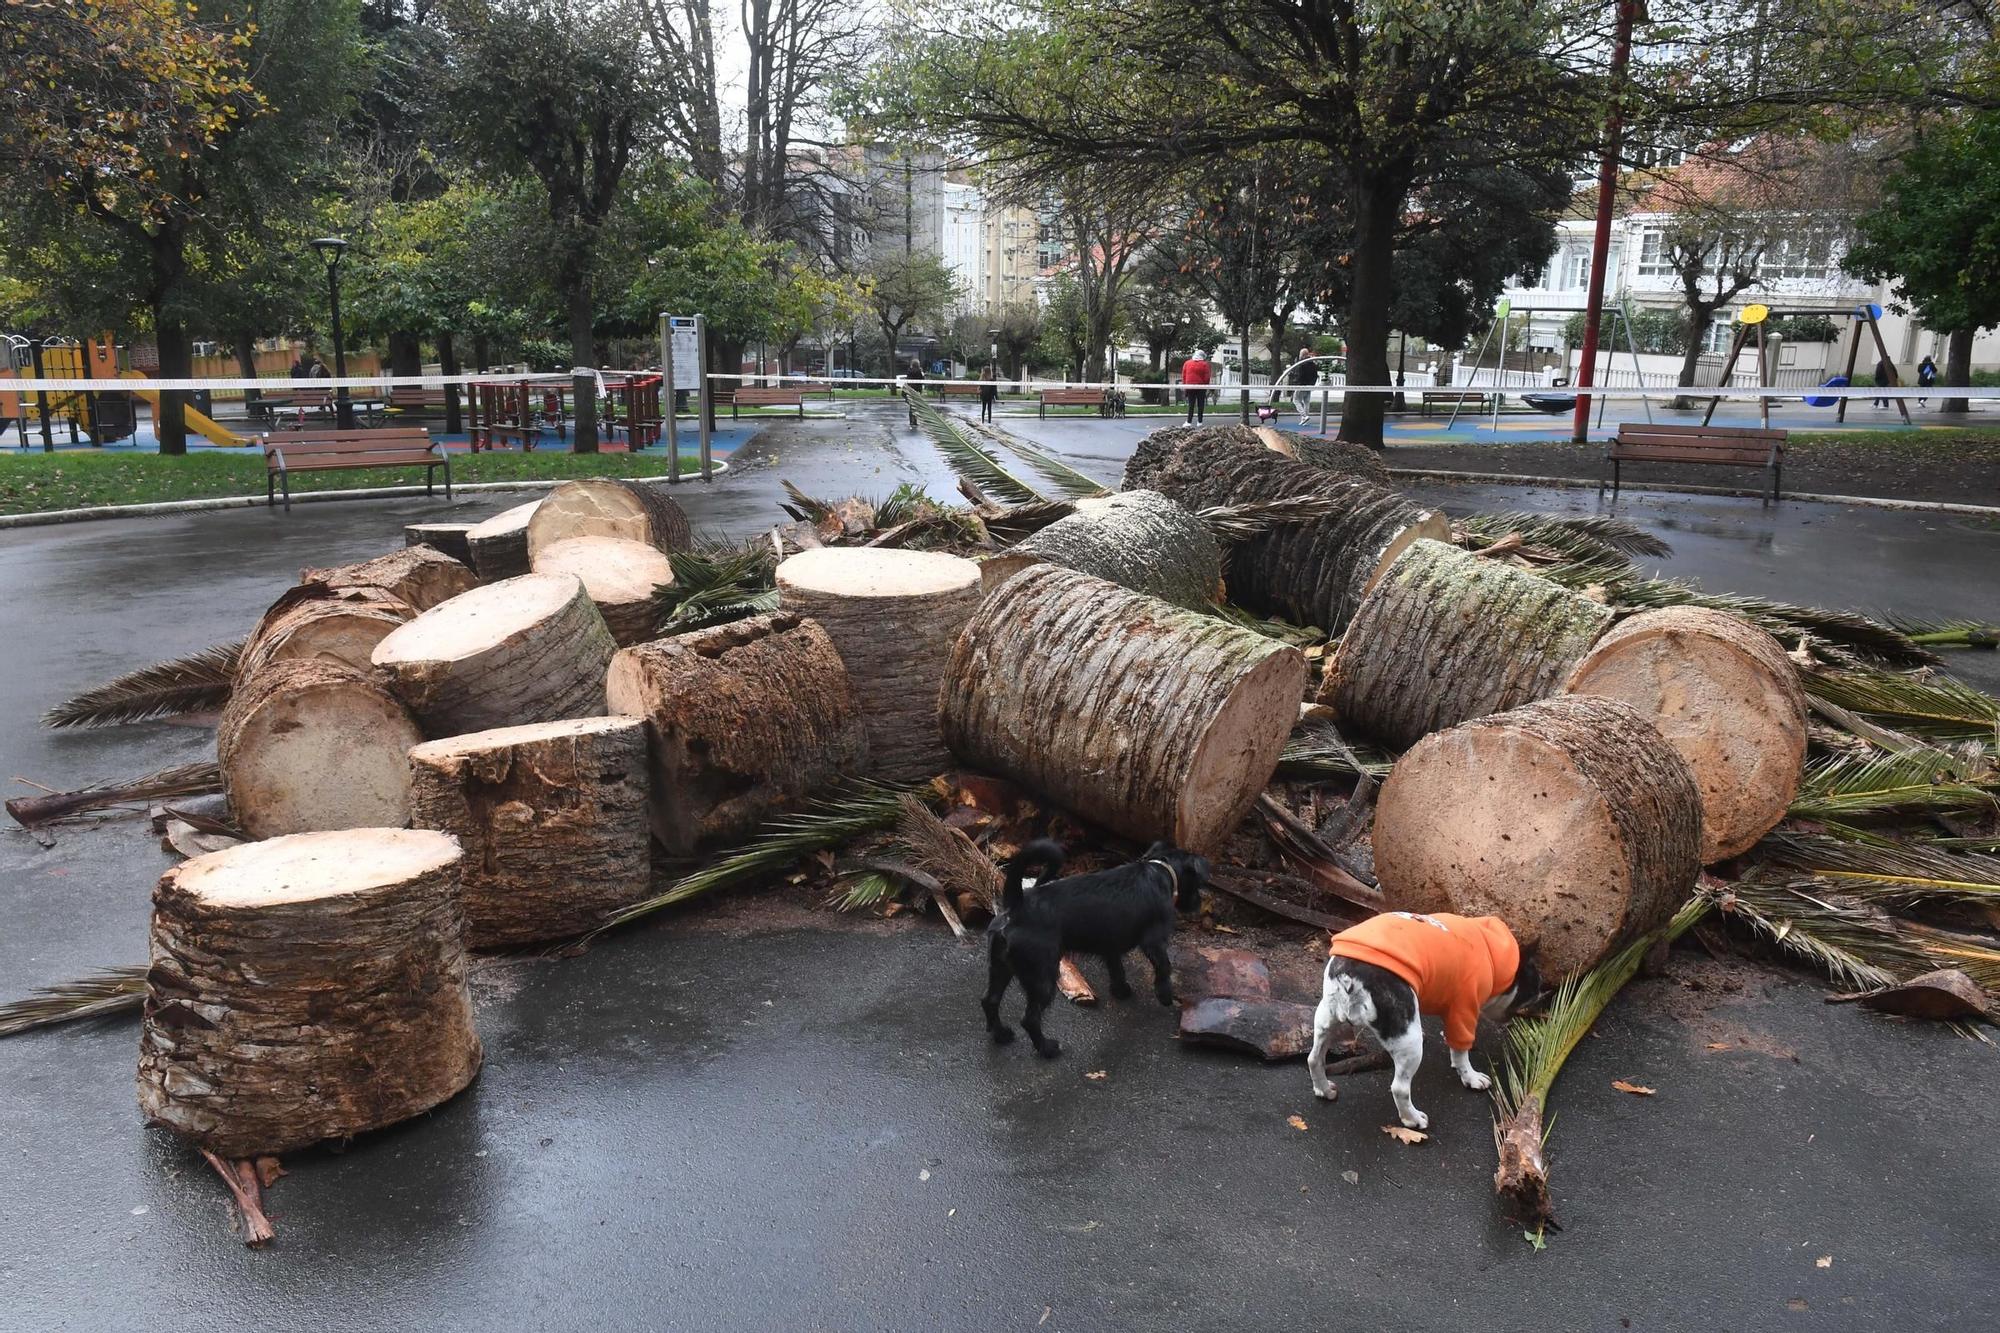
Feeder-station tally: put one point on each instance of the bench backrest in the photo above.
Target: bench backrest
(1722, 444)
(398, 397)
(767, 395)
(1072, 395)
(305, 445)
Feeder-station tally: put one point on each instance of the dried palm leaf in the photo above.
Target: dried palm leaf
(1297, 636)
(945, 854)
(1586, 538)
(1900, 872)
(1010, 523)
(195, 684)
(197, 779)
(1231, 524)
(965, 456)
(116, 990)
(1851, 945)
(805, 508)
(1066, 479)
(1322, 752)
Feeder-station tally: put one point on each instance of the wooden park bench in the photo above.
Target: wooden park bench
(954, 389)
(286, 452)
(417, 398)
(1092, 398)
(1723, 446)
(750, 397)
(1453, 398)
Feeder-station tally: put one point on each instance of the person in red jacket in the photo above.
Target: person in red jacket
(1195, 379)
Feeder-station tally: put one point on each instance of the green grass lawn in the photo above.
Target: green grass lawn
(35, 482)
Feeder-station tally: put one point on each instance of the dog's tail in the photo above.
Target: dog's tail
(1039, 860)
(1348, 1000)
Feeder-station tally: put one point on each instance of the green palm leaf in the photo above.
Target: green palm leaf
(1921, 779)
(1928, 704)
(1066, 479)
(197, 683)
(965, 456)
(1906, 872)
(717, 585)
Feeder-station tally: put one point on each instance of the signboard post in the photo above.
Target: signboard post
(701, 378)
(680, 368)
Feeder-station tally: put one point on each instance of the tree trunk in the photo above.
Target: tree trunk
(1700, 317)
(621, 576)
(1726, 697)
(744, 719)
(406, 354)
(1378, 206)
(311, 743)
(1153, 451)
(528, 649)
(246, 366)
(583, 421)
(604, 507)
(176, 363)
(1447, 636)
(419, 575)
(306, 988)
(499, 546)
(893, 617)
(1572, 819)
(1243, 395)
(1153, 721)
(726, 358)
(1958, 368)
(481, 353)
(1137, 539)
(450, 539)
(338, 625)
(552, 817)
(448, 365)
(1313, 573)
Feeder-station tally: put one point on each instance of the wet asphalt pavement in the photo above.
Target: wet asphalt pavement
(755, 1117)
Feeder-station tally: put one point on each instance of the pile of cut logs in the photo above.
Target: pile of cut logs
(471, 742)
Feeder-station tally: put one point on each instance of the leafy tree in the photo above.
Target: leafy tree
(1471, 234)
(1066, 332)
(1020, 325)
(1936, 236)
(1661, 332)
(1165, 309)
(905, 290)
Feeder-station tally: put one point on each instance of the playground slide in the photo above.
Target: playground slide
(196, 421)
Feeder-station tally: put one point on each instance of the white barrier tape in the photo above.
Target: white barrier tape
(108, 384)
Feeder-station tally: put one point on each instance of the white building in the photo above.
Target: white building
(963, 244)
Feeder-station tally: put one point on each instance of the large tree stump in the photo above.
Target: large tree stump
(306, 988)
(1214, 442)
(1136, 539)
(527, 649)
(449, 538)
(308, 744)
(315, 621)
(1726, 697)
(1312, 573)
(1447, 636)
(552, 817)
(1572, 819)
(745, 718)
(419, 575)
(608, 507)
(621, 576)
(1153, 721)
(893, 617)
(499, 546)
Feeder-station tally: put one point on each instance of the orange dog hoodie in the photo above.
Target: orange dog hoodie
(1454, 963)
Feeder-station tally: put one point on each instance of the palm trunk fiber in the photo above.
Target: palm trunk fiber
(499, 546)
(419, 575)
(1136, 539)
(607, 507)
(1218, 442)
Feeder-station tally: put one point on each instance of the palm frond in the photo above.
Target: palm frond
(1015, 522)
(197, 779)
(1921, 779)
(1231, 524)
(945, 854)
(805, 508)
(1948, 633)
(870, 888)
(194, 684)
(1905, 872)
(1975, 958)
(905, 504)
(1296, 636)
(1322, 752)
(1927, 704)
(1588, 538)
(1066, 479)
(1851, 945)
(115, 990)
(965, 456)
(858, 809)
(712, 587)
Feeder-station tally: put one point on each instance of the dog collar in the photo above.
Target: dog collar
(1173, 876)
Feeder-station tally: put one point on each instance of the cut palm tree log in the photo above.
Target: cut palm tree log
(552, 817)
(1136, 539)
(1571, 819)
(608, 507)
(1446, 637)
(1311, 573)
(307, 745)
(450, 538)
(893, 617)
(306, 988)
(197, 683)
(1153, 721)
(1724, 694)
(745, 719)
(419, 575)
(622, 577)
(499, 546)
(1334, 456)
(527, 649)
(335, 624)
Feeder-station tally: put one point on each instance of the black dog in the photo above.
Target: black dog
(1109, 914)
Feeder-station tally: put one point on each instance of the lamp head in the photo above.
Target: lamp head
(330, 248)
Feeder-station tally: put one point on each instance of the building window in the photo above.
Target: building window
(1654, 261)
(1720, 334)
(1576, 271)
(1804, 253)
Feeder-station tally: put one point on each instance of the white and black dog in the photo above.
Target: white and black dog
(1391, 969)
(1109, 913)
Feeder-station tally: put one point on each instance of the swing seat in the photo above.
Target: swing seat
(1821, 400)
(1555, 404)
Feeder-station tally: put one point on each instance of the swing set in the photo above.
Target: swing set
(1750, 325)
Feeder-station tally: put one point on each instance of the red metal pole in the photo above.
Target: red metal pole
(1607, 186)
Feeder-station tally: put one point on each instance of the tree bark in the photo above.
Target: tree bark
(246, 365)
(419, 575)
(499, 546)
(308, 744)
(1313, 573)
(448, 538)
(622, 577)
(406, 354)
(552, 817)
(339, 626)
(1378, 206)
(448, 365)
(1447, 636)
(582, 323)
(1958, 368)
(1154, 451)
(1136, 539)
(604, 507)
(176, 363)
(745, 719)
(1153, 721)
(1725, 696)
(306, 988)
(893, 617)
(1571, 819)
(527, 649)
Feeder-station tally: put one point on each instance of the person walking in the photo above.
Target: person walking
(1196, 375)
(989, 391)
(1305, 377)
(1926, 378)
(1885, 378)
(916, 378)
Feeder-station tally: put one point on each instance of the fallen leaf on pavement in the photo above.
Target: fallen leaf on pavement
(1072, 985)
(1636, 1089)
(1296, 1121)
(1824, 1261)
(1098, 1075)
(1718, 1046)
(1403, 1135)
(1946, 994)
(1351, 1177)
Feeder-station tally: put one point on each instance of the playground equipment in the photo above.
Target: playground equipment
(105, 416)
(1555, 404)
(1863, 316)
(1749, 323)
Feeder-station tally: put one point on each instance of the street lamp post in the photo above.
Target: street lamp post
(330, 249)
